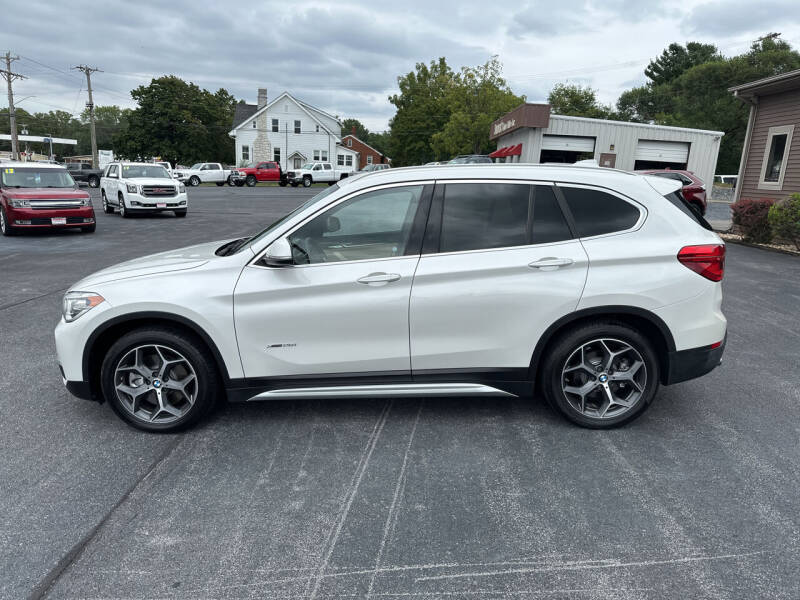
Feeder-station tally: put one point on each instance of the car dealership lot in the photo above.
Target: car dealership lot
(419, 498)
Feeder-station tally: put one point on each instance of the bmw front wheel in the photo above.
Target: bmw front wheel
(159, 379)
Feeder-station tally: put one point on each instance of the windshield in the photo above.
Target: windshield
(31, 177)
(139, 171)
(263, 233)
(307, 166)
(196, 167)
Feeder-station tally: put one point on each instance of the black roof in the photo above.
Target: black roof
(243, 112)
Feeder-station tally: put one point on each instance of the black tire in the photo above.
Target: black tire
(282, 183)
(89, 228)
(558, 353)
(93, 181)
(107, 208)
(307, 181)
(194, 181)
(220, 183)
(330, 183)
(295, 184)
(229, 181)
(5, 227)
(123, 212)
(196, 354)
(251, 180)
(239, 183)
(180, 213)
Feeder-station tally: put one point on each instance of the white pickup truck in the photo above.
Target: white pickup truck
(316, 172)
(203, 173)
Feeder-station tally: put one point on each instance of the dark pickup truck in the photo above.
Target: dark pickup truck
(83, 173)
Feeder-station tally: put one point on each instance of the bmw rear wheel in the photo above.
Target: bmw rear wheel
(601, 375)
(159, 379)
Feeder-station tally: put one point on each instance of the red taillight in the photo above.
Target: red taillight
(708, 261)
(716, 345)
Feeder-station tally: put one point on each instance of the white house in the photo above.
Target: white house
(288, 131)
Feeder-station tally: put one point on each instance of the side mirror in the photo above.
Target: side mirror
(279, 254)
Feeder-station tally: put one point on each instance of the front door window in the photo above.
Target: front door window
(371, 226)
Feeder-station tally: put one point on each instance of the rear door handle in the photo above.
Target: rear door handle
(550, 263)
(378, 278)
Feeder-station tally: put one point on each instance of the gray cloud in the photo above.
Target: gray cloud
(742, 16)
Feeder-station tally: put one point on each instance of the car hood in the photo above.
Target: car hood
(45, 193)
(162, 262)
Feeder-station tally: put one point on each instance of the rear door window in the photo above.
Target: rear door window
(596, 212)
(479, 216)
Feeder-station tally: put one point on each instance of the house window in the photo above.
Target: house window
(349, 160)
(369, 159)
(776, 153)
(317, 128)
(324, 155)
(297, 126)
(246, 153)
(316, 154)
(349, 143)
(274, 125)
(340, 160)
(276, 155)
(254, 124)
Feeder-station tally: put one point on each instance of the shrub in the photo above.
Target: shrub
(752, 217)
(784, 218)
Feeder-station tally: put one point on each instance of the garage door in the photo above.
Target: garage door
(571, 143)
(676, 152)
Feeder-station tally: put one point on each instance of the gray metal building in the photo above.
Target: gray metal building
(529, 133)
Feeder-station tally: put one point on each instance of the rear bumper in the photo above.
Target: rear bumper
(695, 362)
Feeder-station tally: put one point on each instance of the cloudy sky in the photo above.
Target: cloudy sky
(345, 56)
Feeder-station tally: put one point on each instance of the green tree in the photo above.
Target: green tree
(677, 59)
(109, 121)
(577, 101)
(422, 111)
(178, 121)
(477, 97)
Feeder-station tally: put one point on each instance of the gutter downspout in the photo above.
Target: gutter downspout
(753, 102)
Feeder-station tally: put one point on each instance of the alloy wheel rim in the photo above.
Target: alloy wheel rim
(604, 378)
(2, 221)
(156, 384)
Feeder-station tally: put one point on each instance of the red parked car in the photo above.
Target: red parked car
(41, 195)
(694, 190)
(262, 171)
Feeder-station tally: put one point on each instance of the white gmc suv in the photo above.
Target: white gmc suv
(141, 188)
(590, 286)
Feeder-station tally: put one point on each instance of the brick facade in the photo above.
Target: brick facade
(365, 151)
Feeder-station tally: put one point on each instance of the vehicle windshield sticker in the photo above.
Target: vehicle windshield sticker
(125, 167)
(9, 171)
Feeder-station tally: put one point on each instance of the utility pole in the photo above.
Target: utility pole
(10, 76)
(90, 105)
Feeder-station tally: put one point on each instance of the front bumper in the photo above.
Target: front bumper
(39, 218)
(695, 362)
(137, 202)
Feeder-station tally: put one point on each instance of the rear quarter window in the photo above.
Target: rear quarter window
(596, 212)
(688, 209)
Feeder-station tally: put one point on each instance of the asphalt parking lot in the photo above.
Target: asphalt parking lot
(439, 498)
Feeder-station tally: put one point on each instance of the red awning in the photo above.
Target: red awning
(499, 152)
(514, 151)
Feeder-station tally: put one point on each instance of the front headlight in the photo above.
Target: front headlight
(181, 188)
(133, 188)
(86, 202)
(78, 303)
(20, 203)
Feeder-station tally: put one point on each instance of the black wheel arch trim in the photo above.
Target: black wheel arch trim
(600, 311)
(144, 316)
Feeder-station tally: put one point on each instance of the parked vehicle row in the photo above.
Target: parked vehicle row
(212, 172)
(41, 196)
(316, 172)
(85, 173)
(594, 286)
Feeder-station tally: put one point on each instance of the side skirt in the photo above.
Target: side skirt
(395, 391)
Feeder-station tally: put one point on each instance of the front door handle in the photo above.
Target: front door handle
(378, 278)
(550, 263)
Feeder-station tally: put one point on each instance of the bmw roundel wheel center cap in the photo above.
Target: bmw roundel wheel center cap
(603, 378)
(156, 383)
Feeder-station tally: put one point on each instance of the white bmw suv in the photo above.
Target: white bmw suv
(590, 286)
